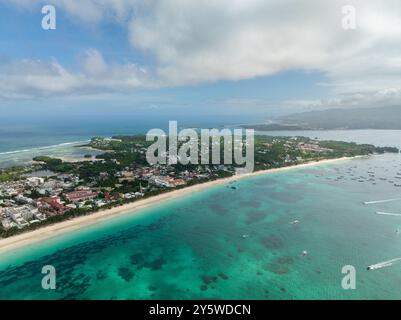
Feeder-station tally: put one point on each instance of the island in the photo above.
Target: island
(51, 190)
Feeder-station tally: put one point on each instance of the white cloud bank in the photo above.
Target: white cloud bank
(29, 78)
(197, 41)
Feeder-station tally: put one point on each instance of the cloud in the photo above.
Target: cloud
(30, 78)
(203, 41)
(94, 63)
(198, 41)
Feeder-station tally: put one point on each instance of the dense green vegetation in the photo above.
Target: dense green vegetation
(9, 175)
(14, 173)
(350, 149)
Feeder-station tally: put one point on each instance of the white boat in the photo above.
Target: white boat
(383, 264)
(381, 201)
(388, 213)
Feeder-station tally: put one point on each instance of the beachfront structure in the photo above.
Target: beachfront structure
(11, 188)
(52, 187)
(51, 206)
(20, 216)
(128, 176)
(80, 195)
(310, 147)
(8, 223)
(159, 181)
(22, 199)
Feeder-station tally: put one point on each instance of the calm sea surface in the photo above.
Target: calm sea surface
(237, 244)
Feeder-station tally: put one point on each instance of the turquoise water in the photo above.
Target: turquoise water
(69, 151)
(195, 247)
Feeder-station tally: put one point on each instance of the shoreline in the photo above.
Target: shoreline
(38, 235)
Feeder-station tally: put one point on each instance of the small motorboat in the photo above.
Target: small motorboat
(383, 264)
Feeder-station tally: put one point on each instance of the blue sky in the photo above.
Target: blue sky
(189, 57)
(29, 40)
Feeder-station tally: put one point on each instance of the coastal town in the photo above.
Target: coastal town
(50, 190)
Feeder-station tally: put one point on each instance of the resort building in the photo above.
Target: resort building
(51, 206)
(20, 217)
(80, 195)
(309, 147)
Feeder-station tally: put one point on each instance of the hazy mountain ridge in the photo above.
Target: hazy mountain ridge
(361, 118)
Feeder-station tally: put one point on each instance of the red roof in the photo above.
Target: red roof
(53, 203)
(76, 195)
